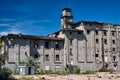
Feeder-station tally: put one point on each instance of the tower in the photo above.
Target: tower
(66, 18)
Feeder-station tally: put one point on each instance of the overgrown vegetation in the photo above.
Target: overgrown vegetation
(76, 70)
(7, 72)
(1, 43)
(3, 58)
(106, 70)
(89, 72)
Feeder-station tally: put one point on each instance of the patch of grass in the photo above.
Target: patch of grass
(26, 78)
(89, 72)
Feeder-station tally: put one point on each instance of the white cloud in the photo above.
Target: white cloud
(11, 29)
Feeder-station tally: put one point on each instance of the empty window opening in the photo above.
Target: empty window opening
(97, 41)
(105, 41)
(105, 33)
(97, 50)
(96, 32)
(115, 64)
(114, 58)
(36, 44)
(26, 54)
(47, 57)
(70, 42)
(71, 52)
(46, 44)
(57, 44)
(79, 32)
(113, 41)
(36, 56)
(113, 49)
(57, 58)
(70, 33)
(96, 55)
(88, 31)
(113, 33)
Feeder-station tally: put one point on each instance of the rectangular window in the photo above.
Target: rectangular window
(113, 41)
(105, 33)
(70, 42)
(113, 49)
(71, 52)
(114, 58)
(47, 57)
(70, 33)
(113, 33)
(57, 58)
(79, 32)
(96, 32)
(97, 41)
(88, 32)
(46, 44)
(56, 45)
(36, 44)
(96, 55)
(105, 41)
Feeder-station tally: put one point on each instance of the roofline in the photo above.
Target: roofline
(66, 9)
(20, 36)
(66, 29)
(99, 23)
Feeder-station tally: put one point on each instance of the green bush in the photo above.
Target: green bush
(16, 71)
(6, 71)
(76, 70)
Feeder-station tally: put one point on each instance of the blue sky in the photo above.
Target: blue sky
(41, 17)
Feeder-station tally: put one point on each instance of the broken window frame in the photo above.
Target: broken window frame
(97, 41)
(71, 52)
(36, 56)
(113, 49)
(105, 41)
(46, 44)
(70, 42)
(96, 55)
(96, 32)
(105, 32)
(57, 57)
(46, 57)
(113, 33)
(113, 41)
(70, 33)
(88, 32)
(57, 44)
(36, 45)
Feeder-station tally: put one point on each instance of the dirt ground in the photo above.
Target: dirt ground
(97, 76)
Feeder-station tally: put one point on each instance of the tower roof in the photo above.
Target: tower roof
(66, 9)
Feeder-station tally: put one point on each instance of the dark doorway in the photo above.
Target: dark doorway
(29, 70)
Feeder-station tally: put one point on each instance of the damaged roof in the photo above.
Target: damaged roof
(20, 36)
(96, 23)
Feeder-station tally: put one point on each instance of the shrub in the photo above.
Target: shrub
(16, 71)
(76, 70)
(106, 70)
(6, 71)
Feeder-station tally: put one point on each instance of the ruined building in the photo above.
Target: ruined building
(87, 45)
